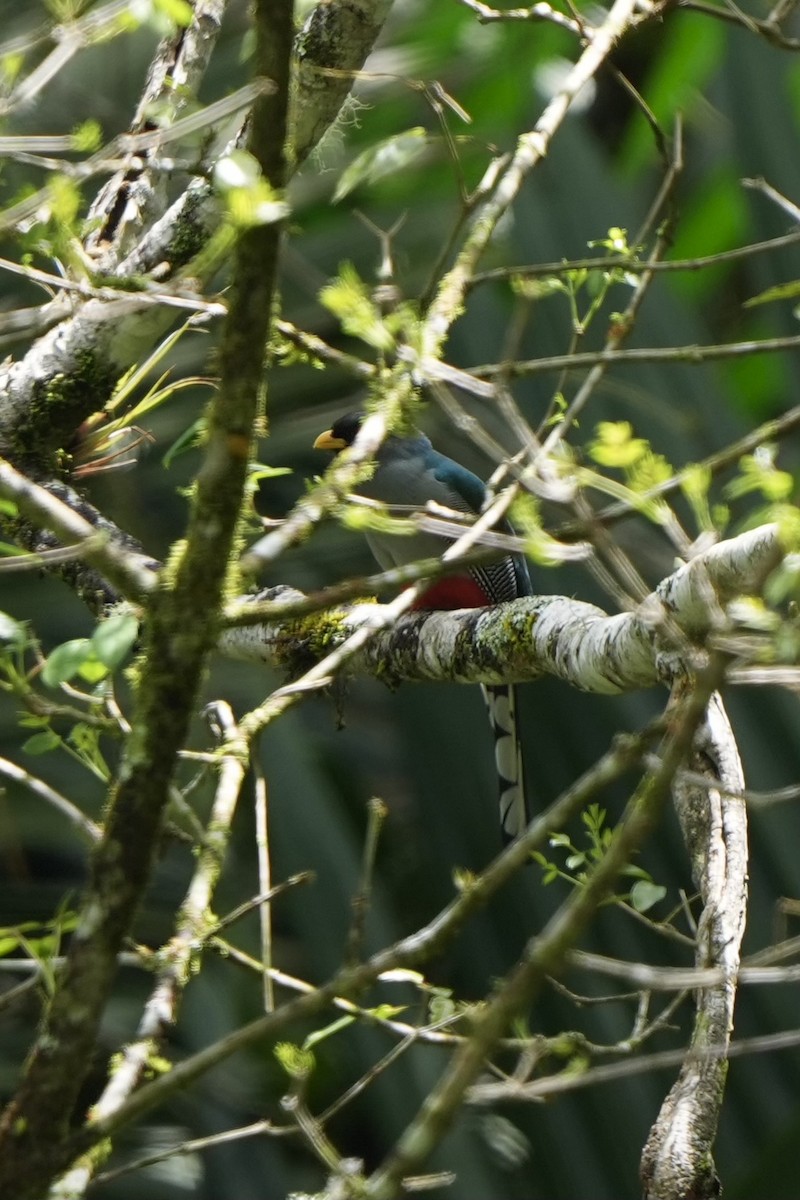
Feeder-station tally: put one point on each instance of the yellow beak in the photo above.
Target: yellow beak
(326, 441)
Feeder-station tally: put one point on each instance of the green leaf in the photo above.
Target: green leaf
(296, 1062)
(388, 156)
(64, 199)
(11, 631)
(387, 1012)
(645, 893)
(538, 287)
(193, 436)
(782, 291)
(179, 11)
(348, 298)
(377, 520)
(42, 743)
(87, 137)
(259, 471)
(248, 196)
(66, 660)
(441, 1006)
(758, 473)
(615, 446)
(560, 839)
(114, 637)
(92, 670)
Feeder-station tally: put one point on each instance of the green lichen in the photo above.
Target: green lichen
(190, 235)
(58, 406)
(308, 639)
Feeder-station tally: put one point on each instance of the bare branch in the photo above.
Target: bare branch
(677, 1158)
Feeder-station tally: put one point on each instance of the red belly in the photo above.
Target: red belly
(457, 591)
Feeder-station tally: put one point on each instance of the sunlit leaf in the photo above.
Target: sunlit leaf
(87, 137)
(645, 894)
(781, 291)
(114, 637)
(65, 661)
(378, 161)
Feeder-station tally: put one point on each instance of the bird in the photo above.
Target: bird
(409, 473)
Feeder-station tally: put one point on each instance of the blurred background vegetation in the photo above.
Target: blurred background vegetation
(425, 749)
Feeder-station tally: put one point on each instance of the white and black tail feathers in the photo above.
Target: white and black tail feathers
(501, 702)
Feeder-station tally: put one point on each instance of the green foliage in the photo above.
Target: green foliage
(349, 299)
(363, 518)
(395, 153)
(585, 288)
(395, 164)
(441, 1005)
(55, 231)
(39, 941)
(110, 439)
(297, 1062)
(87, 137)
(644, 893)
(13, 633)
(93, 658)
(89, 659)
(320, 1035)
(615, 447)
(696, 486)
(178, 11)
(758, 473)
(76, 657)
(248, 197)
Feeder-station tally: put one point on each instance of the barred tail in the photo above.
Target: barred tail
(501, 702)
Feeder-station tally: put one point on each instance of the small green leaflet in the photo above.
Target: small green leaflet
(92, 658)
(66, 660)
(114, 637)
(781, 291)
(381, 160)
(645, 893)
(11, 630)
(42, 743)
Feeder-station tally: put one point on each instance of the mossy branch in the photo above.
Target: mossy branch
(525, 638)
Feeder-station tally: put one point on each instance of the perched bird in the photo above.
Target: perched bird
(409, 473)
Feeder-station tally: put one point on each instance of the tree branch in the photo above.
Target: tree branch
(677, 1158)
(70, 372)
(526, 638)
(179, 632)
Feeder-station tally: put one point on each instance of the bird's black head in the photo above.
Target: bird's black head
(342, 433)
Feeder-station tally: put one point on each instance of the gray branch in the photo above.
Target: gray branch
(532, 636)
(677, 1158)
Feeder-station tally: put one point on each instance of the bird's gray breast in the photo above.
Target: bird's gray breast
(405, 483)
